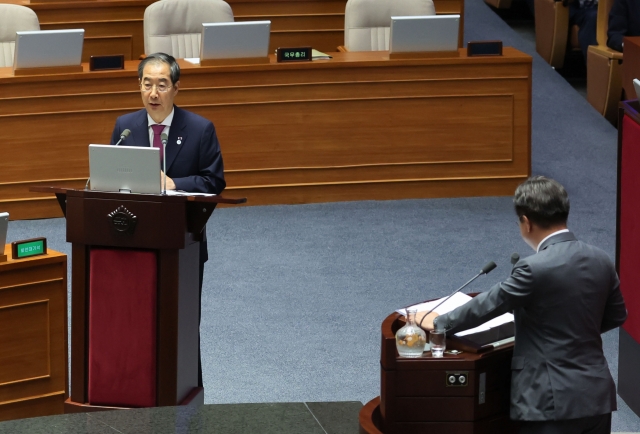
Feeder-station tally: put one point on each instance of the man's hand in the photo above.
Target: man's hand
(426, 322)
(170, 184)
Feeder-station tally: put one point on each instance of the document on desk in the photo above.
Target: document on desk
(186, 193)
(455, 301)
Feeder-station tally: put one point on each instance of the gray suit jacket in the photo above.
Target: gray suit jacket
(563, 298)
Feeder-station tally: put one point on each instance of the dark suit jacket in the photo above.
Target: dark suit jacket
(563, 298)
(195, 165)
(624, 20)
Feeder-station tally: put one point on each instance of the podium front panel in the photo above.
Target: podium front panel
(122, 327)
(126, 223)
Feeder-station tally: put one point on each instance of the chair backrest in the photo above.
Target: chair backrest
(14, 18)
(175, 26)
(367, 22)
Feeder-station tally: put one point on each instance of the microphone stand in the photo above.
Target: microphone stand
(487, 268)
(164, 162)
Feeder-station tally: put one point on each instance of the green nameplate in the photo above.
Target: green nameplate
(26, 248)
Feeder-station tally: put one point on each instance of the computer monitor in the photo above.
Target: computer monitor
(48, 48)
(235, 40)
(127, 169)
(424, 33)
(4, 225)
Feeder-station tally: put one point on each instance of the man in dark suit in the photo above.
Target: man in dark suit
(584, 14)
(624, 20)
(562, 297)
(193, 158)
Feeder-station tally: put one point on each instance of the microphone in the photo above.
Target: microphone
(123, 136)
(485, 270)
(164, 139)
(514, 259)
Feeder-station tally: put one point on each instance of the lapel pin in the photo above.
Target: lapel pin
(179, 142)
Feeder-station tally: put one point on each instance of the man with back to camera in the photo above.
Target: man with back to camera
(194, 161)
(563, 297)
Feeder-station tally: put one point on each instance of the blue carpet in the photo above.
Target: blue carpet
(294, 295)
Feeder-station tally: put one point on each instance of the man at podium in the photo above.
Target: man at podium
(562, 297)
(193, 157)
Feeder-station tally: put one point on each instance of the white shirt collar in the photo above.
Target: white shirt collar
(549, 236)
(166, 122)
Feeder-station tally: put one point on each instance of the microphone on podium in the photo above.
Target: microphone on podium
(164, 139)
(485, 270)
(123, 136)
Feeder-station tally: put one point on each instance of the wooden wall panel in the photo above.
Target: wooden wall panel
(25, 354)
(355, 126)
(33, 335)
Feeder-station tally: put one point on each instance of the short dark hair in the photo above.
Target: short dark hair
(543, 201)
(161, 58)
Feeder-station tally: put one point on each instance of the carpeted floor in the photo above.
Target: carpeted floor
(294, 295)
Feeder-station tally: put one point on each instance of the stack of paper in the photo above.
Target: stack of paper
(455, 301)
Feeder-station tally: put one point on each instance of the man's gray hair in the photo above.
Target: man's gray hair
(543, 201)
(161, 58)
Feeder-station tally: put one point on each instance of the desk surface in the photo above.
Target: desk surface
(359, 126)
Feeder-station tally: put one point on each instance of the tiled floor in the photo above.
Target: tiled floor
(276, 418)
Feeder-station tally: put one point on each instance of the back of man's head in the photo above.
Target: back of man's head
(543, 201)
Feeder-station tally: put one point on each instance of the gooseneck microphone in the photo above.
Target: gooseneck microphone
(164, 139)
(485, 270)
(123, 136)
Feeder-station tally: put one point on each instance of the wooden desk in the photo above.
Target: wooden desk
(631, 65)
(33, 335)
(115, 26)
(357, 127)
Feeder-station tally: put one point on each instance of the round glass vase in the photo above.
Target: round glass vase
(411, 339)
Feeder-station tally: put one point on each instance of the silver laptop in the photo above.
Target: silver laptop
(424, 33)
(126, 169)
(42, 48)
(4, 225)
(235, 40)
(636, 86)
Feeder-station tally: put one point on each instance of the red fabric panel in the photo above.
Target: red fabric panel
(122, 328)
(629, 265)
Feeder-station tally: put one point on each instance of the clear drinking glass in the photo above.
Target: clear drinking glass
(438, 341)
(411, 339)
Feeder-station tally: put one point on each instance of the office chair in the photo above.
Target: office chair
(175, 26)
(14, 18)
(367, 22)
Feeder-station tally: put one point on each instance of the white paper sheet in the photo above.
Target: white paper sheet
(454, 302)
(186, 193)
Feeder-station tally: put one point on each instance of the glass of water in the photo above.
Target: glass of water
(438, 341)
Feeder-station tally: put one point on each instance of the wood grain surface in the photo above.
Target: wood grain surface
(33, 335)
(357, 127)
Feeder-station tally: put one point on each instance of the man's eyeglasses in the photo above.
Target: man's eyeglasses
(162, 88)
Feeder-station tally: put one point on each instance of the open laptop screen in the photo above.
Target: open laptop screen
(47, 48)
(424, 33)
(130, 169)
(235, 40)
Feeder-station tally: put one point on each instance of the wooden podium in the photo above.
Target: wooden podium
(135, 297)
(627, 238)
(466, 393)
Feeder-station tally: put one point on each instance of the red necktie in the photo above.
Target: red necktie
(157, 141)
